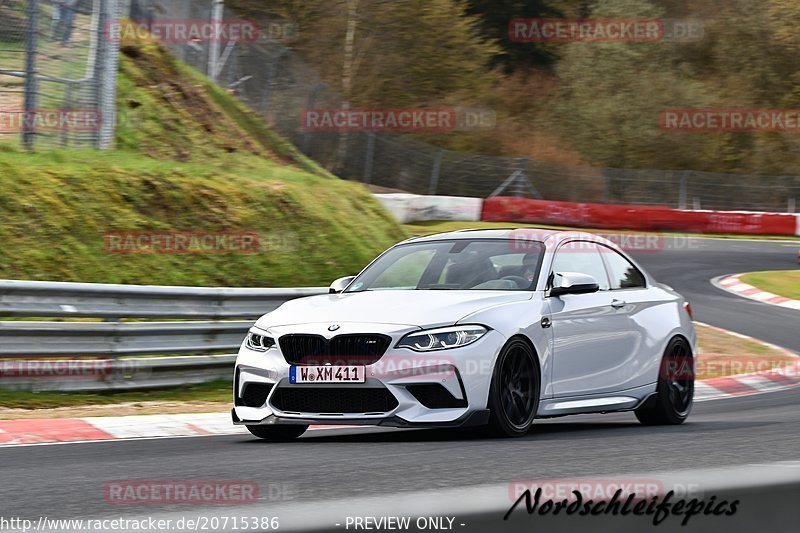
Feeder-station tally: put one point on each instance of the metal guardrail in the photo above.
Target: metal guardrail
(39, 349)
(78, 339)
(118, 374)
(95, 300)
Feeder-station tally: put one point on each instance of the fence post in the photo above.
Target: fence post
(369, 157)
(682, 191)
(437, 166)
(31, 90)
(606, 186)
(213, 51)
(108, 62)
(521, 177)
(272, 74)
(792, 204)
(312, 98)
(68, 95)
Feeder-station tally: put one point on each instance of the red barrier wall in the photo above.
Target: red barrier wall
(643, 218)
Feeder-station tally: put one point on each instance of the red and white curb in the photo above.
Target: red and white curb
(104, 428)
(51, 431)
(784, 377)
(733, 284)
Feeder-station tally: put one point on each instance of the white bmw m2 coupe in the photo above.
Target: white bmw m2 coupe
(484, 328)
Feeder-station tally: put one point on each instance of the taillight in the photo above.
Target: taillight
(688, 309)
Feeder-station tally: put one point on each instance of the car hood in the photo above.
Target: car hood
(403, 307)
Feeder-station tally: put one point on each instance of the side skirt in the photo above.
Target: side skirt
(621, 401)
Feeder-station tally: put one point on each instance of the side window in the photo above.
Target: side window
(581, 257)
(623, 274)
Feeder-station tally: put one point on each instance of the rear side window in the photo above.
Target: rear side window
(623, 274)
(582, 257)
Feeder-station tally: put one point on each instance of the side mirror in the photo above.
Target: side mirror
(340, 284)
(573, 283)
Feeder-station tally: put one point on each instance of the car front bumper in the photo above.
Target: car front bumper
(461, 376)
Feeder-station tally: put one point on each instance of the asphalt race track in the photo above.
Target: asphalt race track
(67, 480)
(687, 264)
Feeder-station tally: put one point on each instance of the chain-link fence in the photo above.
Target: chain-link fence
(57, 72)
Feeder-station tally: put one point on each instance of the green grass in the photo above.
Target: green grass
(57, 206)
(427, 228)
(784, 283)
(216, 391)
(189, 157)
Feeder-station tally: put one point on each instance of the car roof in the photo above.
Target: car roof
(550, 236)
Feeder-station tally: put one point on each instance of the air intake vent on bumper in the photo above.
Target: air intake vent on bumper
(435, 396)
(321, 400)
(255, 394)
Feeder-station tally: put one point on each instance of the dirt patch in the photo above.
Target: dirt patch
(10, 97)
(724, 354)
(187, 114)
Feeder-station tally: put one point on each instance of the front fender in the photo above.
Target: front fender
(522, 319)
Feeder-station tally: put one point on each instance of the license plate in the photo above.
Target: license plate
(327, 374)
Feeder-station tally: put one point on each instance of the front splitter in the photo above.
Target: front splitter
(474, 418)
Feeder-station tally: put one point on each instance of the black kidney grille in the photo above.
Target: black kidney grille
(330, 400)
(351, 349)
(296, 348)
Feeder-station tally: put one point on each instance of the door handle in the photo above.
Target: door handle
(616, 304)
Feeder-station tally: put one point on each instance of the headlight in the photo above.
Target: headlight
(442, 338)
(259, 343)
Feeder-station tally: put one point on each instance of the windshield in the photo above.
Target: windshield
(463, 264)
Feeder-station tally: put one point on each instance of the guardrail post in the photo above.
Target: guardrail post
(31, 90)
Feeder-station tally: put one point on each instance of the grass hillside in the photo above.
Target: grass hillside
(189, 157)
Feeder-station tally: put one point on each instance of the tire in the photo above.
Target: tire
(514, 392)
(277, 433)
(672, 402)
